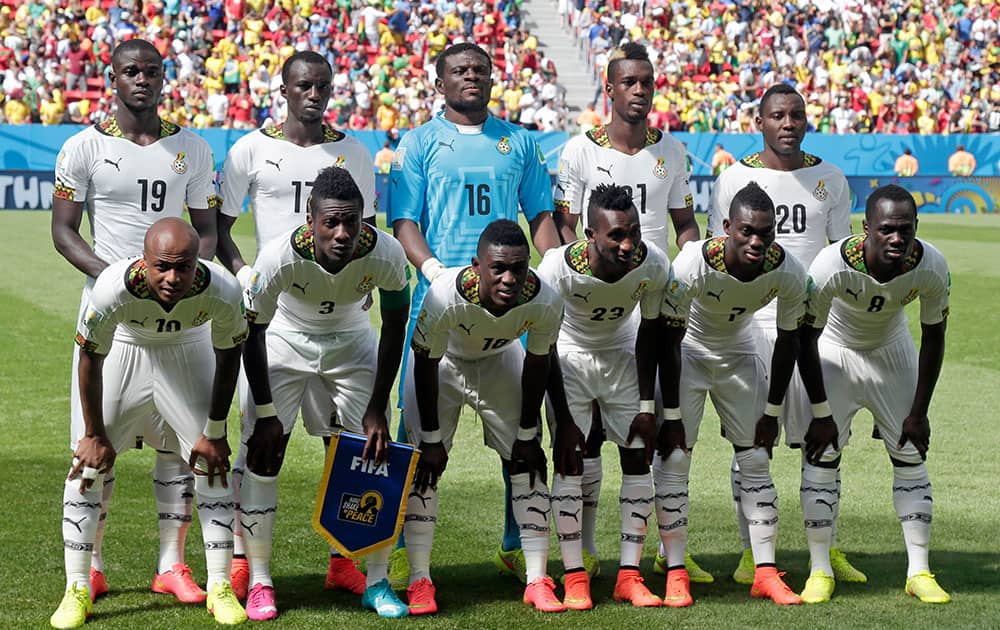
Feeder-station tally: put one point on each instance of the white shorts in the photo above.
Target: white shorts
(738, 386)
(332, 375)
(165, 389)
(796, 413)
(882, 380)
(610, 378)
(491, 386)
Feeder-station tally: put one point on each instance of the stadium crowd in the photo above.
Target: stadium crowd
(222, 58)
(886, 66)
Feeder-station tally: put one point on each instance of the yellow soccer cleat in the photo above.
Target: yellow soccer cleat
(74, 608)
(224, 606)
(925, 587)
(844, 571)
(399, 569)
(744, 572)
(511, 563)
(819, 588)
(695, 572)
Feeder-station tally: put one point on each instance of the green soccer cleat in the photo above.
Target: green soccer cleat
(224, 606)
(695, 573)
(382, 599)
(511, 563)
(399, 569)
(74, 608)
(924, 587)
(744, 572)
(819, 588)
(843, 570)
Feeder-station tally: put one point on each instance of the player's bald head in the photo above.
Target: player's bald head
(170, 235)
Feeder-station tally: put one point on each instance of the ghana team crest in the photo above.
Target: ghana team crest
(639, 290)
(504, 145)
(524, 327)
(771, 294)
(820, 192)
(179, 165)
(912, 295)
(366, 284)
(660, 169)
(200, 318)
(340, 161)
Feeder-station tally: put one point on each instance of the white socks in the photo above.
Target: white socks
(531, 511)
(81, 515)
(671, 477)
(759, 501)
(567, 506)
(911, 494)
(97, 558)
(215, 511)
(418, 529)
(819, 496)
(635, 502)
(590, 485)
(173, 487)
(741, 521)
(258, 505)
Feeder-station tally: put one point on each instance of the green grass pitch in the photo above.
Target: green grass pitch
(39, 296)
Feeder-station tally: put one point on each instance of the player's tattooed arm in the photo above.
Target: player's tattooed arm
(205, 222)
(569, 443)
(671, 434)
(433, 456)
(822, 432)
(786, 349)
(390, 352)
(66, 218)
(916, 426)
(265, 448)
(94, 449)
(544, 234)
(227, 250)
(685, 225)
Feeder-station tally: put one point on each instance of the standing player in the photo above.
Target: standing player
(276, 167)
(127, 172)
(145, 358)
(719, 284)
(813, 206)
(306, 331)
(652, 165)
(451, 178)
(466, 351)
(859, 291)
(602, 280)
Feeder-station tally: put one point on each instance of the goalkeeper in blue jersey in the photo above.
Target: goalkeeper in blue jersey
(450, 178)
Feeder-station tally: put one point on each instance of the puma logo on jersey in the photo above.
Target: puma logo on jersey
(228, 525)
(854, 294)
(826, 503)
(139, 322)
(467, 329)
(114, 164)
(248, 528)
(300, 287)
(574, 515)
(394, 180)
(641, 517)
(75, 524)
(447, 144)
(561, 189)
(606, 170)
(583, 296)
(717, 296)
(276, 165)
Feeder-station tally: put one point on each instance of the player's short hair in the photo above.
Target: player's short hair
(626, 52)
(892, 192)
(334, 182)
(609, 197)
(753, 198)
(303, 56)
(775, 90)
(130, 46)
(503, 233)
(457, 49)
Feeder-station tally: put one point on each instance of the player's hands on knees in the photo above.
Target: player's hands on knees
(670, 436)
(431, 465)
(568, 447)
(376, 428)
(644, 427)
(264, 448)
(211, 457)
(916, 429)
(821, 434)
(766, 434)
(92, 452)
(527, 456)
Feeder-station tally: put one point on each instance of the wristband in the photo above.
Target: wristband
(822, 409)
(266, 411)
(525, 434)
(431, 437)
(672, 413)
(89, 473)
(243, 274)
(647, 406)
(431, 268)
(772, 410)
(215, 429)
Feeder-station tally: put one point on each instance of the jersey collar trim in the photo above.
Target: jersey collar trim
(135, 281)
(577, 257)
(853, 252)
(277, 132)
(467, 285)
(714, 251)
(109, 127)
(304, 244)
(754, 160)
(599, 136)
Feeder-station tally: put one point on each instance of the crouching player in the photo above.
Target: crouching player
(466, 350)
(307, 331)
(160, 368)
(856, 327)
(601, 280)
(718, 285)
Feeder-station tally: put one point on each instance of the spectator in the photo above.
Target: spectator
(721, 160)
(906, 164)
(383, 159)
(961, 163)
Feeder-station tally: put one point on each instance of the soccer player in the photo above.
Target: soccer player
(465, 351)
(126, 173)
(856, 327)
(276, 168)
(451, 178)
(652, 165)
(813, 207)
(602, 280)
(145, 357)
(718, 285)
(307, 331)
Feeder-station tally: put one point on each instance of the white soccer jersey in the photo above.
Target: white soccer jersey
(718, 309)
(290, 290)
(127, 187)
(277, 175)
(598, 313)
(860, 312)
(121, 298)
(657, 176)
(453, 320)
